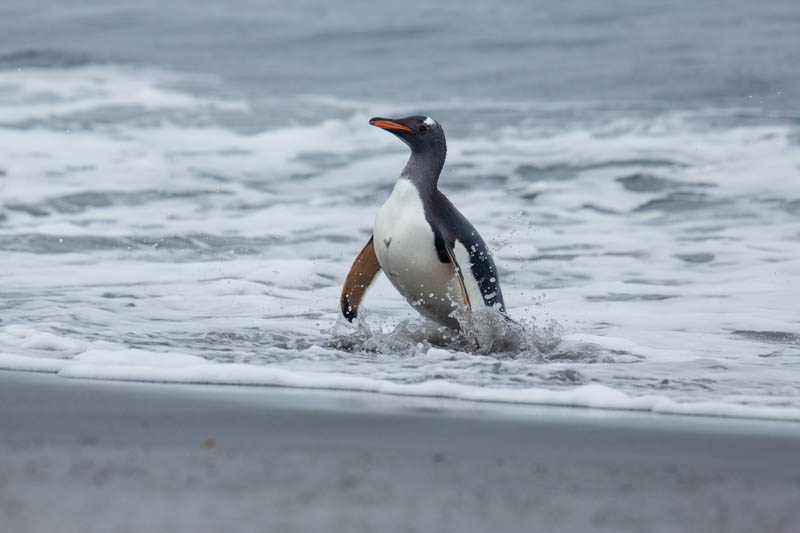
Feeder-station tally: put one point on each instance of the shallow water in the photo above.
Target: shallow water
(182, 193)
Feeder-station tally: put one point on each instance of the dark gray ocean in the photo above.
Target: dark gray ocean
(183, 186)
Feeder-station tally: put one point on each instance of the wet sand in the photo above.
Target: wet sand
(79, 455)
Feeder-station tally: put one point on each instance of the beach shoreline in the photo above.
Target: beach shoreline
(126, 456)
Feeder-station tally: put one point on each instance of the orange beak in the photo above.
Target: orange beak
(389, 125)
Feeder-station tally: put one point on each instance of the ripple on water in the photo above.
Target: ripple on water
(626, 297)
(210, 246)
(42, 58)
(641, 182)
(75, 203)
(682, 201)
(243, 260)
(696, 258)
(777, 337)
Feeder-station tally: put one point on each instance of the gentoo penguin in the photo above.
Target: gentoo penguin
(429, 251)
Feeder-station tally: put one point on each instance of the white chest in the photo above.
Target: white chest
(403, 238)
(405, 247)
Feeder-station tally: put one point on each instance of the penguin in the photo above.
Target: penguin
(429, 251)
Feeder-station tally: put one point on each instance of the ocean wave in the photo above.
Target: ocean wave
(92, 94)
(663, 246)
(43, 58)
(162, 367)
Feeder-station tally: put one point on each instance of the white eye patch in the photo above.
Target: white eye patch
(429, 121)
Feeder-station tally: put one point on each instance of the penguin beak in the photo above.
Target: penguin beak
(389, 124)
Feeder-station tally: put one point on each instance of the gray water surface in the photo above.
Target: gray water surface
(186, 183)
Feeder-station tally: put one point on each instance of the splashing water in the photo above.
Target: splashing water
(167, 226)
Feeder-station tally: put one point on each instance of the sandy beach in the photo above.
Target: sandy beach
(185, 185)
(80, 455)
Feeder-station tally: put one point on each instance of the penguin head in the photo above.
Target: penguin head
(418, 132)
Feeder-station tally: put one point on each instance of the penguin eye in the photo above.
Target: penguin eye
(422, 128)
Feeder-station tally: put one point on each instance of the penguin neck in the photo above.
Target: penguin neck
(423, 168)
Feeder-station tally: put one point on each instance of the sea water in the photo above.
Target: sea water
(183, 187)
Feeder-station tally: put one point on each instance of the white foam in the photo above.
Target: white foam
(86, 88)
(230, 249)
(166, 367)
(50, 342)
(31, 364)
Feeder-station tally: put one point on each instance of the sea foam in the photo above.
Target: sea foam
(650, 259)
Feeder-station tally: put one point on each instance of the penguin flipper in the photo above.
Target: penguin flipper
(362, 273)
(457, 228)
(443, 245)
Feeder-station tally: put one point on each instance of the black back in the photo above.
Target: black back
(442, 214)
